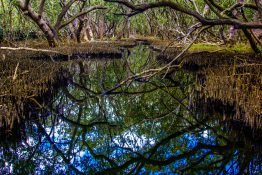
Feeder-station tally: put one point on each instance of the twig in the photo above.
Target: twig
(15, 73)
(168, 66)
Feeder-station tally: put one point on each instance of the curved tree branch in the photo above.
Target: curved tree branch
(139, 8)
(63, 13)
(79, 15)
(41, 8)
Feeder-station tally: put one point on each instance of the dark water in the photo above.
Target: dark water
(201, 121)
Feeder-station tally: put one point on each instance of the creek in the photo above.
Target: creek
(87, 117)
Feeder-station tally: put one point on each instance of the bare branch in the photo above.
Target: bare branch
(175, 6)
(41, 8)
(80, 14)
(27, 3)
(214, 8)
(195, 5)
(213, 3)
(143, 7)
(28, 49)
(59, 152)
(90, 125)
(62, 13)
(239, 5)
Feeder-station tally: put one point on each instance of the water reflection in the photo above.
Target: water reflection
(21, 83)
(240, 86)
(145, 126)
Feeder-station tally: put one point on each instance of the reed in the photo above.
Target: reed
(238, 85)
(22, 81)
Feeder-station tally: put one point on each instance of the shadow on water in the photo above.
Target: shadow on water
(65, 121)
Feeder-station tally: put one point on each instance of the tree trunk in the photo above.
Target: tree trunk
(101, 26)
(51, 41)
(50, 34)
(232, 33)
(251, 40)
(72, 27)
(84, 29)
(258, 17)
(128, 28)
(43, 24)
(79, 30)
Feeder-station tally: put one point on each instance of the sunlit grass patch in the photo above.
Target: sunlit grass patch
(235, 48)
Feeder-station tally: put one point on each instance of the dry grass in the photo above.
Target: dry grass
(22, 81)
(240, 86)
(29, 78)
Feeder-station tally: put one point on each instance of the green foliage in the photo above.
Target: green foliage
(154, 118)
(161, 22)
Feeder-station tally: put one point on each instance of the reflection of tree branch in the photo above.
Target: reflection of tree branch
(193, 113)
(135, 170)
(33, 153)
(225, 161)
(94, 94)
(195, 163)
(59, 152)
(211, 166)
(90, 125)
(82, 87)
(160, 116)
(152, 151)
(139, 92)
(152, 72)
(171, 159)
(69, 95)
(175, 98)
(80, 113)
(173, 111)
(97, 156)
(140, 76)
(244, 162)
(145, 160)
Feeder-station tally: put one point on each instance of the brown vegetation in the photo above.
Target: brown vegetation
(236, 84)
(22, 81)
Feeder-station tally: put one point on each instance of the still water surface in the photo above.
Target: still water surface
(204, 120)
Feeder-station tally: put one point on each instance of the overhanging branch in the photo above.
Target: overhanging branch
(140, 8)
(80, 14)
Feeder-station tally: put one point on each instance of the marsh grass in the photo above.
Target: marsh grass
(22, 81)
(237, 82)
(24, 78)
(239, 85)
(234, 48)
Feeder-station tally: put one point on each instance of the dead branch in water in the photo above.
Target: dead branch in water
(29, 49)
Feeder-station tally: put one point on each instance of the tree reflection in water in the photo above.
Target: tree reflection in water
(147, 125)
